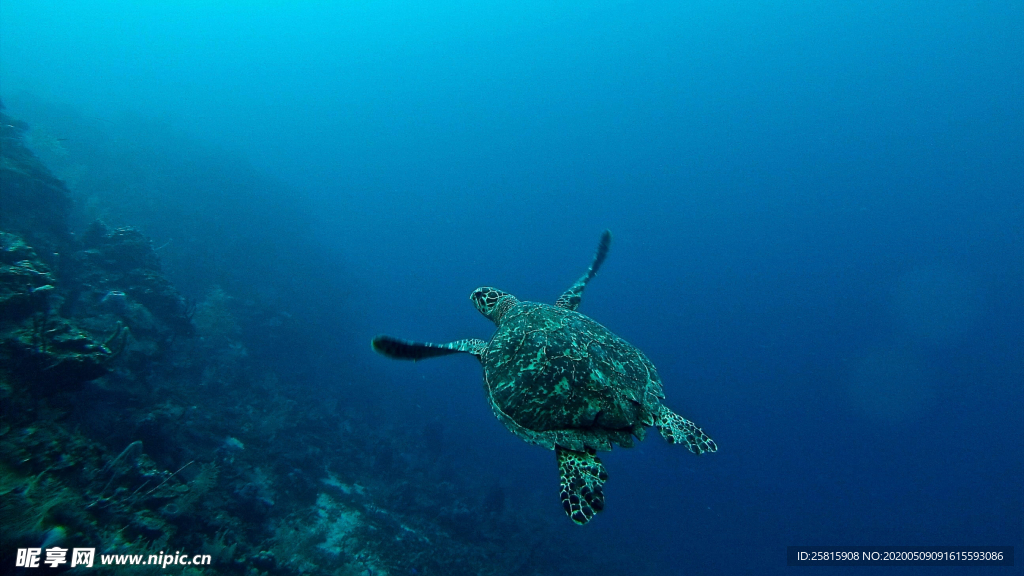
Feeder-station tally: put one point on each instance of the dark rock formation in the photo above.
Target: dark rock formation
(33, 203)
(117, 273)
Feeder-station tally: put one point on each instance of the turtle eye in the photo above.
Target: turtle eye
(479, 298)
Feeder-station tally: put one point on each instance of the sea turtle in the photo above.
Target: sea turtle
(558, 379)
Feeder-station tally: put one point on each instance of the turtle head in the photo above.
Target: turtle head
(492, 302)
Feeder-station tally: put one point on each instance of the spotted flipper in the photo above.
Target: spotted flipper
(570, 300)
(406, 350)
(582, 477)
(679, 430)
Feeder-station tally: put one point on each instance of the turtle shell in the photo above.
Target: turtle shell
(554, 376)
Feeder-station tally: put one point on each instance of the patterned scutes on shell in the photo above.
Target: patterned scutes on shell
(555, 376)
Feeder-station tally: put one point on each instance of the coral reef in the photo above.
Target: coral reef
(37, 344)
(135, 421)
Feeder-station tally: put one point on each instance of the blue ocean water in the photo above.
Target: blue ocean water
(817, 210)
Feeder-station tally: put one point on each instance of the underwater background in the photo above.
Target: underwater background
(209, 209)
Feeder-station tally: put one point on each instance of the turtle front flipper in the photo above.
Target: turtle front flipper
(582, 479)
(406, 350)
(570, 300)
(679, 430)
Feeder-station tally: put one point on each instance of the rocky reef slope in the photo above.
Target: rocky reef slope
(134, 421)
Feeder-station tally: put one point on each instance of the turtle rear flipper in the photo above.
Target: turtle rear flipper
(679, 430)
(570, 300)
(408, 350)
(582, 479)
